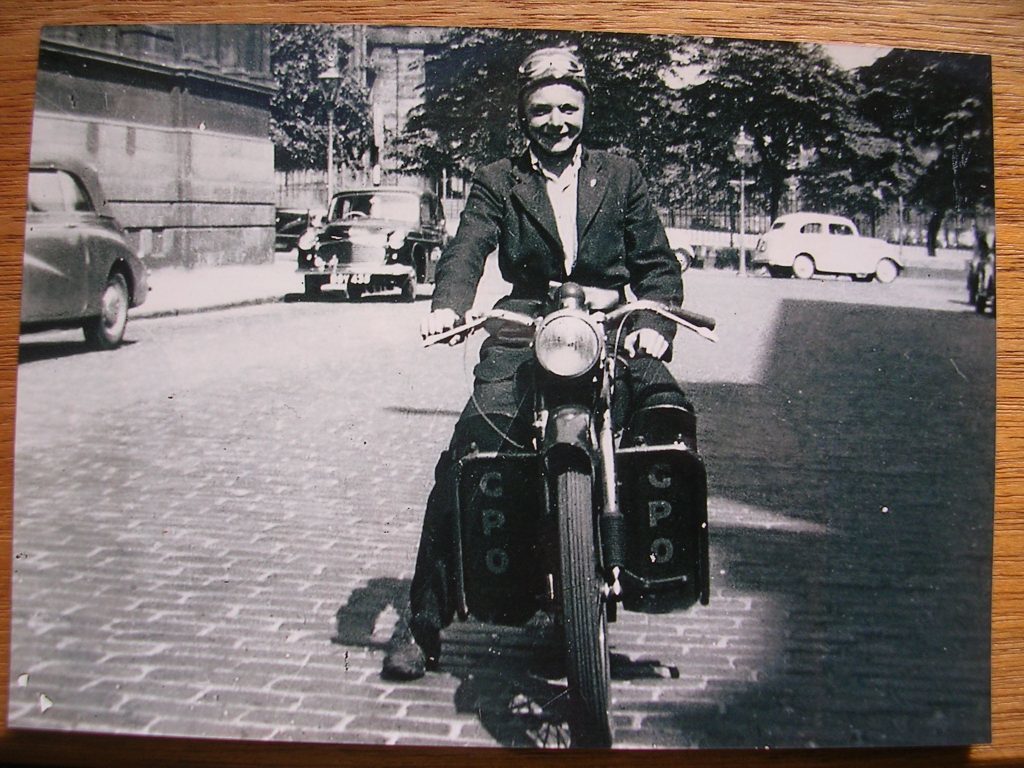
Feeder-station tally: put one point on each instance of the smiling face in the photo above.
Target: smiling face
(553, 116)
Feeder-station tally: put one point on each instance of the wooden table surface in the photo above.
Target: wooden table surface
(995, 27)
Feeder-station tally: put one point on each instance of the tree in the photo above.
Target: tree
(300, 107)
(795, 103)
(937, 107)
(469, 111)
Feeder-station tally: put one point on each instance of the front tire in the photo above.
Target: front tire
(684, 258)
(584, 613)
(803, 267)
(314, 285)
(408, 294)
(886, 271)
(107, 330)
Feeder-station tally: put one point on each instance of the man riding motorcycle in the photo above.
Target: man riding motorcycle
(558, 212)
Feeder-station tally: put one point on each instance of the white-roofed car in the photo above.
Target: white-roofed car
(806, 244)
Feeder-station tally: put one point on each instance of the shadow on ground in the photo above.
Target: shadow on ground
(873, 427)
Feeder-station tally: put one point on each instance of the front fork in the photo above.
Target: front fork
(611, 523)
(562, 428)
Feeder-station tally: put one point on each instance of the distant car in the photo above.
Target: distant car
(805, 244)
(374, 239)
(289, 224)
(79, 269)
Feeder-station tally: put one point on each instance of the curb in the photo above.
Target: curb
(157, 314)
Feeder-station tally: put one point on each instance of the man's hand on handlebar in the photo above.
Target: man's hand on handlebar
(646, 342)
(439, 321)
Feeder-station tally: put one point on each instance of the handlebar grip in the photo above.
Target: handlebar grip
(694, 318)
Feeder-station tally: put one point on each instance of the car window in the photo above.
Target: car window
(75, 196)
(44, 192)
(813, 228)
(839, 229)
(377, 205)
(50, 191)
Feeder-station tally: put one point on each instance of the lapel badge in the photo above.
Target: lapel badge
(593, 183)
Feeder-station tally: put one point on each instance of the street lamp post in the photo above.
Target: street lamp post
(742, 145)
(331, 78)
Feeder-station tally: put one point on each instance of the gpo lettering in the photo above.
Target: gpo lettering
(492, 520)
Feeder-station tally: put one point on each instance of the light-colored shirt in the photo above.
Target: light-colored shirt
(562, 192)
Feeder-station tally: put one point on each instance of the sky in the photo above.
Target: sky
(852, 56)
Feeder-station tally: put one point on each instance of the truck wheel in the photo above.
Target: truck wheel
(583, 612)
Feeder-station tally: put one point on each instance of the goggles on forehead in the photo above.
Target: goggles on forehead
(552, 65)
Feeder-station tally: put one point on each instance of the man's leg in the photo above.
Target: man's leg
(497, 417)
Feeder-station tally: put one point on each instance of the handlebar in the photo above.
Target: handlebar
(702, 325)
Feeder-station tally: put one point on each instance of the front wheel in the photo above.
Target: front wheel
(803, 267)
(584, 613)
(107, 330)
(408, 293)
(886, 271)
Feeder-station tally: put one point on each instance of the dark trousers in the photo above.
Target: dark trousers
(499, 416)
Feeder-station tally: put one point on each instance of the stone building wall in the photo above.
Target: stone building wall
(175, 120)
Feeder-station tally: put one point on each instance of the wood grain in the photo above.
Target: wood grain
(994, 27)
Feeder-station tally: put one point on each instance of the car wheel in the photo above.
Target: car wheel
(886, 271)
(972, 288)
(684, 258)
(409, 289)
(314, 284)
(803, 267)
(107, 330)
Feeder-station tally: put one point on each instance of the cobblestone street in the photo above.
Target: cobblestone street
(214, 526)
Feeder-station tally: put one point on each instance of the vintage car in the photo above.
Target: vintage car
(79, 270)
(372, 240)
(806, 244)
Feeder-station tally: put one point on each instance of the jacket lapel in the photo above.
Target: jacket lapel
(529, 190)
(592, 187)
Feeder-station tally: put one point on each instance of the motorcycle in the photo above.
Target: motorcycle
(585, 517)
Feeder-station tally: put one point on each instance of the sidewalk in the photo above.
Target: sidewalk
(176, 290)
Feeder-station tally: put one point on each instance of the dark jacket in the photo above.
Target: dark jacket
(621, 238)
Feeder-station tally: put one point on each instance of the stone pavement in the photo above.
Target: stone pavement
(212, 531)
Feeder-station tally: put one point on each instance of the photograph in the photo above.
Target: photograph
(505, 388)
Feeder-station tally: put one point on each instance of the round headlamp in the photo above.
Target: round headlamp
(567, 346)
(307, 240)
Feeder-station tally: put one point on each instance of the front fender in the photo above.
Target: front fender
(569, 438)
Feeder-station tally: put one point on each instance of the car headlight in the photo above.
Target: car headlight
(396, 239)
(567, 346)
(307, 240)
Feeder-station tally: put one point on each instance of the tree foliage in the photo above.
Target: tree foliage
(469, 113)
(791, 99)
(936, 108)
(300, 108)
